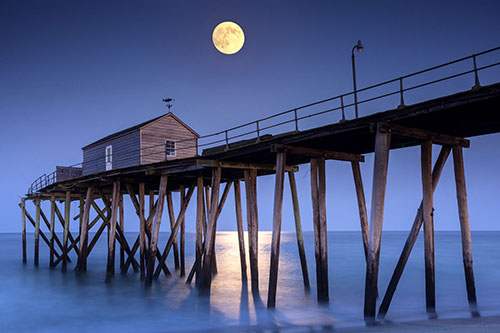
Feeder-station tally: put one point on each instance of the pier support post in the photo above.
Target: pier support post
(298, 230)
(23, 220)
(412, 237)
(207, 207)
(79, 237)
(253, 226)
(318, 196)
(142, 231)
(52, 229)
(182, 241)
(199, 226)
(171, 215)
(275, 241)
(463, 212)
(37, 232)
(206, 274)
(122, 226)
(153, 247)
(67, 211)
(239, 226)
(82, 258)
(382, 146)
(219, 210)
(115, 203)
(427, 206)
(360, 194)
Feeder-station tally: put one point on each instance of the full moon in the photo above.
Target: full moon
(228, 37)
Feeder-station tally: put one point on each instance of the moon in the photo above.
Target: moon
(228, 37)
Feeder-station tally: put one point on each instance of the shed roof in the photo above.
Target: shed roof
(139, 126)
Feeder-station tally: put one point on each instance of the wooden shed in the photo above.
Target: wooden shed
(163, 138)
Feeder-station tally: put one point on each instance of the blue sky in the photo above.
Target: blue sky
(73, 72)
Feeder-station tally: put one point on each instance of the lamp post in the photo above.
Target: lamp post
(358, 47)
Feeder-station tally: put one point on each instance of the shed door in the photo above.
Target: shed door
(109, 157)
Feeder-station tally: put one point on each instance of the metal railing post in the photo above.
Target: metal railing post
(296, 120)
(227, 140)
(342, 106)
(402, 102)
(258, 130)
(477, 85)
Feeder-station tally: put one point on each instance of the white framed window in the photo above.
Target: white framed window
(169, 148)
(109, 157)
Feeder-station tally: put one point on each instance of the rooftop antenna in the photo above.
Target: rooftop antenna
(169, 102)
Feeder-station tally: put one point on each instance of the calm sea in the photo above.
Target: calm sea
(44, 300)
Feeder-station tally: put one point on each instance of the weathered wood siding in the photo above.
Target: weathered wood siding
(126, 152)
(155, 134)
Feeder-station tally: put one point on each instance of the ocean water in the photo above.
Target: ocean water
(45, 300)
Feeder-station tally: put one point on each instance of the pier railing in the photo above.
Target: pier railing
(299, 118)
(42, 182)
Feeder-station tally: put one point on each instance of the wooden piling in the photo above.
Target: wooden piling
(80, 217)
(23, 221)
(142, 230)
(52, 229)
(298, 230)
(275, 242)
(463, 213)
(122, 226)
(153, 247)
(152, 212)
(382, 146)
(115, 204)
(252, 221)
(67, 211)
(412, 237)
(360, 195)
(207, 207)
(182, 241)
(37, 232)
(219, 210)
(82, 258)
(427, 206)
(199, 227)
(318, 191)
(315, 212)
(171, 215)
(206, 272)
(325, 295)
(239, 226)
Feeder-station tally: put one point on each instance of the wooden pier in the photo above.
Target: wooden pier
(444, 122)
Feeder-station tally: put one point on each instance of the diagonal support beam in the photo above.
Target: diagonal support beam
(153, 247)
(412, 237)
(275, 242)
(206, 271)
(46, 240)
(174, 231)
(219, 211)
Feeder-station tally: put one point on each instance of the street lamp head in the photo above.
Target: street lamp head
(359, 46)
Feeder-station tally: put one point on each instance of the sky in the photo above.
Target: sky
(72, 72)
